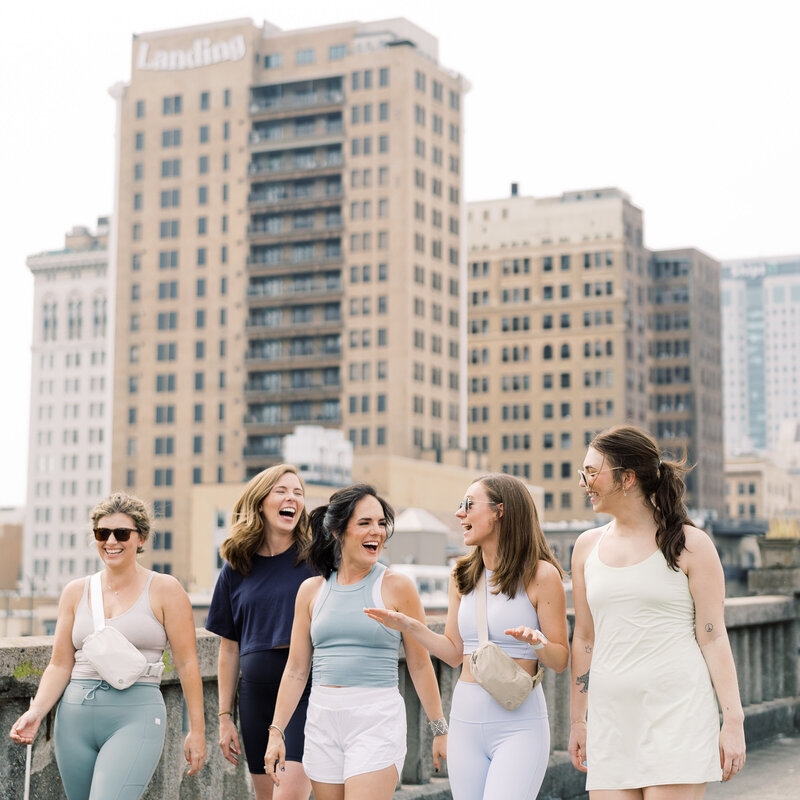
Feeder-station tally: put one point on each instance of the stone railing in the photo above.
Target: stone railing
(764, 633)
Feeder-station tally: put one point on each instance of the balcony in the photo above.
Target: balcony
(306, 328)
(286, 426)
(283, 200)
(291, 297)
(289, 168)
(260, 451)
(260, 266)
(313, 391)
(320, 135)
(271, 106)
(317, 357)
(258, 234)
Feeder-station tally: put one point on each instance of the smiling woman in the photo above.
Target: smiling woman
(252, 610)
(109, 741)
(356, 726)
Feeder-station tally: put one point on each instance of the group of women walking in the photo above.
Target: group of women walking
(311, 623)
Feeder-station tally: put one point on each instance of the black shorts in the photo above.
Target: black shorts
(258, 690)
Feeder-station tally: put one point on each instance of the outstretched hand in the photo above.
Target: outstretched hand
(533, 636)
(395, 620)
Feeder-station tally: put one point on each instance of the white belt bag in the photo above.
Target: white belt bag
(119, 663)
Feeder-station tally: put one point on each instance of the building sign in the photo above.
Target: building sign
(202, 53)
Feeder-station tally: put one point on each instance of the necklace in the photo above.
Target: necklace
(117, 591)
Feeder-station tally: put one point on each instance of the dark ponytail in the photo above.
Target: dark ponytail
(670, 509)
(661, 482)
(324, 551)
(328, 524)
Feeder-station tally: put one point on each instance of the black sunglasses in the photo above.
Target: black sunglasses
(120, 534)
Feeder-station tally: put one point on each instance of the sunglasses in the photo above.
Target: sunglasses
(585, 479)
(120, 534)
(468, 502)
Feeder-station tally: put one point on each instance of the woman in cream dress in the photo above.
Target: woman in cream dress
(650, 633)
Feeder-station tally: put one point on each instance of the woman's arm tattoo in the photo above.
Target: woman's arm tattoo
(583, 679)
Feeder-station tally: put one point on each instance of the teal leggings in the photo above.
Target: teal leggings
(108, 742)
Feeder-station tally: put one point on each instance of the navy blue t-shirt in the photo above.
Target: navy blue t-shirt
(257, 610)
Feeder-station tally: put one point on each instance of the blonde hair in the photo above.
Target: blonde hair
(130, 506)
(247, 526)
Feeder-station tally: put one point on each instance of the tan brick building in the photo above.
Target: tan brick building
(288, 250)
(557, 333)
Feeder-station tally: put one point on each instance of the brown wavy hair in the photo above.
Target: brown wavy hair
(660, 480)
(521, 543)
(247, 525)
(132, 507)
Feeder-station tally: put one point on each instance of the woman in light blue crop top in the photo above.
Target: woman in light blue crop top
(108, 742)
(493, 752)
(355, 734)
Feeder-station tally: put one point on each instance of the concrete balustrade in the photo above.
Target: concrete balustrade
(764, 637)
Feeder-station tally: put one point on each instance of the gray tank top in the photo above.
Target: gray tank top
(138, 624)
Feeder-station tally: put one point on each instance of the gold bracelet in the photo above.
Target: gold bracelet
(223, 713)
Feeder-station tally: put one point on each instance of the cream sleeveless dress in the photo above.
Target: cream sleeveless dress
(653, 716)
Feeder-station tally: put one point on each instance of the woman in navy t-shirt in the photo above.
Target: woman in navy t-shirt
(252, 610)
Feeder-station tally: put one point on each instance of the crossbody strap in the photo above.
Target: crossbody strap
(480, 608)
(98, 613)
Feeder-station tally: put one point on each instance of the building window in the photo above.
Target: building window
(205, 101)
(304, 56)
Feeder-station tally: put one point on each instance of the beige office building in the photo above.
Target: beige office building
(557, 333)
(757, 488)
(288, 252)
(686, 413)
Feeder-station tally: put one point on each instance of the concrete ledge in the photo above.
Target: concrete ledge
(765, 721)
(762, 610)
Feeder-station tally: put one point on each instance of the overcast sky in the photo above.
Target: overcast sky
(690, 106)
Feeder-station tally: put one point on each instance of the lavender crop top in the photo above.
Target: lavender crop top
(502, 612)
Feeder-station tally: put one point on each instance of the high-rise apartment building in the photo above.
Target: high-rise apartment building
(70, 413)
(686, 369)
(557, 333)
(289, 252)
(760, 351)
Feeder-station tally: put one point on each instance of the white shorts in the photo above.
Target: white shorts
(351, 730)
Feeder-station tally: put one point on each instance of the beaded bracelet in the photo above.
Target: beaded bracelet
(438, 726)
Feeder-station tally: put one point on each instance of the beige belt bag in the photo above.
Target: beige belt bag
(495, 671)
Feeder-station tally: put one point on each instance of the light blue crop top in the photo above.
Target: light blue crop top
(350, 649)
(502, 612)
